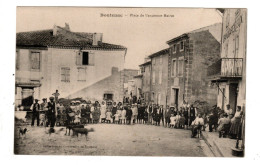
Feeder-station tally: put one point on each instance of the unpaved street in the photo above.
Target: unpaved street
(113, 140)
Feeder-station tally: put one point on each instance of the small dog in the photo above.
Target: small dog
(69, 127)
(82, 131)
(22, 131)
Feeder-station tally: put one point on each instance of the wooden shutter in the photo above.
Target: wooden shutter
(78, 58)
(91, 58)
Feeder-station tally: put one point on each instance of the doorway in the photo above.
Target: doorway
(175, 96)
(233, 96)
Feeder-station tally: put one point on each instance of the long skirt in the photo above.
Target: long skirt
(235, 128)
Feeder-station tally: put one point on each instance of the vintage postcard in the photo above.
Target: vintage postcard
(130, 81)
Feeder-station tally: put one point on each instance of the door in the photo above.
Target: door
(233, 96)
(175, 96)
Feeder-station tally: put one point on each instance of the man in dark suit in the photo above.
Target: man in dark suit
(52, 113)
(35, 112)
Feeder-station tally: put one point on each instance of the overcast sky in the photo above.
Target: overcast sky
(141, 35)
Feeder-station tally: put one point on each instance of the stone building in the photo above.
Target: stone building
(128, 78)
(190, 54)
(229, 73)
(146, 80)
(59, 59)
(159, 77)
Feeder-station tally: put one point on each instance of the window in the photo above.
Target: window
(65, 74)
(160, 77)
(182, 46)
(17, 60)
(81, 74)
(160, 59)
(84, 58)
(174, 48)
(180, 65)
(236, 46)
(35, 60)
(153, 77)
(174, 67)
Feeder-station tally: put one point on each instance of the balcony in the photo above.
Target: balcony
(226, 68)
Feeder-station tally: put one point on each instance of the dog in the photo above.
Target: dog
(82, 131)
(22, 131)
(69, 127)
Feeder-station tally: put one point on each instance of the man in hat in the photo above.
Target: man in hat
(52, 113)
(35, 112)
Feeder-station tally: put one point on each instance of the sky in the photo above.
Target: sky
(142, 36)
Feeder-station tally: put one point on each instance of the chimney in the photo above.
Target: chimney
(55, 30)
(97, 37)
(67, 26)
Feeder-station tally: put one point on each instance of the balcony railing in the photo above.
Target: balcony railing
(231, 67)
(226, 67)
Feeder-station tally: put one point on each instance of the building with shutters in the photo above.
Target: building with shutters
(229, 73)
(190, 54)
(59, 59)
(159, 71)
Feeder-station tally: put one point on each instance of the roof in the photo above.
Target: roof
(45, 38)
(146, 63)
(161, 52)
(214, 29)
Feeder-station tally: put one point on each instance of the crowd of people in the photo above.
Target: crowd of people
(227, 122)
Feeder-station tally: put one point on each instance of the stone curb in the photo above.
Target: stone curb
(216, 152)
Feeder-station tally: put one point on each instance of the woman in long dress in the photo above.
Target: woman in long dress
(103, 112)
(96, 113)
(235, 129)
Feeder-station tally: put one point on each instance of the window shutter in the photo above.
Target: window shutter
(91, 58)
(78, 58)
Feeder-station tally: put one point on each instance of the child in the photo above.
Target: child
(117, 115)
(173, 121)
(182, 121)
(119, 112)
(109, 117)
(178, 116)
(42, 119)
(123, 115)
(77, 118)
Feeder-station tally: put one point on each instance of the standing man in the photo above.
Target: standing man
(35, 112)
(162, 114)
(114, 109)
(192, 114)
(56, 95)
(52, 113)
(228, 110)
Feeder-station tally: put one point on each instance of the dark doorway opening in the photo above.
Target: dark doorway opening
(108, 96)
(233, 96)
